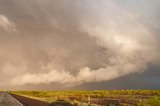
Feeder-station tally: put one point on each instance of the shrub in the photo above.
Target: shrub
(155, 101)
(76, 103)
(61, 103)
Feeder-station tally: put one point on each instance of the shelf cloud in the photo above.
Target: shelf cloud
(72, 42)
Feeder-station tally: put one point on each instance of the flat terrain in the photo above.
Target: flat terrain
(97, 97)
(7, 100)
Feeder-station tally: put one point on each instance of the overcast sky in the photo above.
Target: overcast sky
(79, 44)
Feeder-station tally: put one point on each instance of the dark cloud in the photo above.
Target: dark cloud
(146, 80)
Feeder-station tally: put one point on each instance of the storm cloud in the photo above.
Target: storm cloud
(73, 42)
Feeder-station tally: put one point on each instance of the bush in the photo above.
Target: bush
(61, 103)
(76, 103)
(154, 101)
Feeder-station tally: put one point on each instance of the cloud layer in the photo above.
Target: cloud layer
(75, 42)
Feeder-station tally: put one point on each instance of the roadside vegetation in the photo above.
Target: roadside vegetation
(96, 97)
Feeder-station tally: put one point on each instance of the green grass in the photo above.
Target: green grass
(84, 97)
(153, 101)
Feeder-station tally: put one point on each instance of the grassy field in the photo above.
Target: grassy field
(97, 97)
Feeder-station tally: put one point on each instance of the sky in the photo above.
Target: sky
(79, 44)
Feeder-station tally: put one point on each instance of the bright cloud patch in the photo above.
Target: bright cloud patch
(6, 24)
